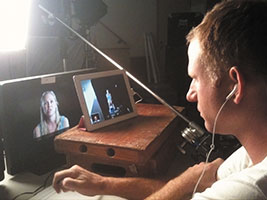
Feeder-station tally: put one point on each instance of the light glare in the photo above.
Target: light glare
(14, 20)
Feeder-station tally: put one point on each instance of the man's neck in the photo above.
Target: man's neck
(255, 142)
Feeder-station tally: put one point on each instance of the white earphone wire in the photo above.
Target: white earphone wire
(212, 146)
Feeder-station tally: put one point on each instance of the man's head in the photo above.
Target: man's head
(233, 33)
(228, 49)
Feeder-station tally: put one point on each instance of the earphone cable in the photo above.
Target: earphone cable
(212, 146)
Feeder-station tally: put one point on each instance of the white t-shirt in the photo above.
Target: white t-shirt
(238, 179)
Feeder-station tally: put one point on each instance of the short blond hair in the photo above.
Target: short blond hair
(233, 33)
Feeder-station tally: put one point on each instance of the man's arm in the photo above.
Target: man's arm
(182, 187)
(90, 184)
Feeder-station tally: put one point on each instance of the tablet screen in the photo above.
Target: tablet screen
(105, 98)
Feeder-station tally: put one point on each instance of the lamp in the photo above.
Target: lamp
(14, 15)
(89, 11)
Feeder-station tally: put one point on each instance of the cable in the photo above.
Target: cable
(212, 146)
(37, 190)
(140, 98)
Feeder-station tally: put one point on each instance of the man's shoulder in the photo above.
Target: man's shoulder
(248, 183)
(236, 162)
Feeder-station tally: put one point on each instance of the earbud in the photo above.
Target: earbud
(231, 93)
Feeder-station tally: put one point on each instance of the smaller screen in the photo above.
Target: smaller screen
(106, 98)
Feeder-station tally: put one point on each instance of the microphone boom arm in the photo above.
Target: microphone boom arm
(194, 131)
(116, 65)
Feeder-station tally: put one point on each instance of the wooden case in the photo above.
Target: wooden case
(141, 146)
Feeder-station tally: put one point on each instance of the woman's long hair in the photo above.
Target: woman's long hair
(43, 124)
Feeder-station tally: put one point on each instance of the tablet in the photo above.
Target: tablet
(105, 98)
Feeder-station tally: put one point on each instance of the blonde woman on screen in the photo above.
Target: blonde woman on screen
(50, 119)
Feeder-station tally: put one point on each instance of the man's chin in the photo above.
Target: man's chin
(208, 127)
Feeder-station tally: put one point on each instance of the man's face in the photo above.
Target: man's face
(202, 89)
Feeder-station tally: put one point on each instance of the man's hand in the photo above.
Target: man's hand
(91, 184)
(80, 180)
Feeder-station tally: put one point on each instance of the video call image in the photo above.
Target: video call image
(38, 112)
(106, 98)
(50, 118)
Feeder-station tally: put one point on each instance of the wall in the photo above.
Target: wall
(167, 7)
(120, 34)
(12, 65)
(129, 19)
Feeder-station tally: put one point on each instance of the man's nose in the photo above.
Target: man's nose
(191, 95)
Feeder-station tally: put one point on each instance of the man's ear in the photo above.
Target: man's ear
(238, 79)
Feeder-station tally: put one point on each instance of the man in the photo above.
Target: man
(228, 66)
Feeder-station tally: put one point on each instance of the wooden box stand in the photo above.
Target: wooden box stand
(142, 146)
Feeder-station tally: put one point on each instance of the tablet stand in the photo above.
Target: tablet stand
(142, 146)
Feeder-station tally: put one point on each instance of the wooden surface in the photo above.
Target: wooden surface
(132, 141)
